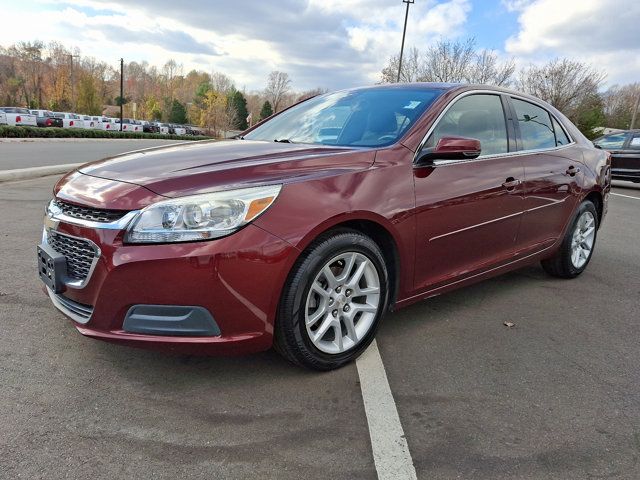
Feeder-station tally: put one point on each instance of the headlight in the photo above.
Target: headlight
(200, 217)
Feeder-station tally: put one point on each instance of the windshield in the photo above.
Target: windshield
(367, 118)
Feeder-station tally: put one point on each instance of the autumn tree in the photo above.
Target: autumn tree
(88, 100)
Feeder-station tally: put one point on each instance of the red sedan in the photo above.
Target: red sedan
(305, 231)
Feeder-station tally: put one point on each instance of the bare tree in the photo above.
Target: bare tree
(310, 94)
(486, 69)
(619, 104)
(411, 67)
(221, 82)
(563, 83)
(448, 61)
(277, 87)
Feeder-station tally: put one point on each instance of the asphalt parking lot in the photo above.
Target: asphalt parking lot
(25, 153)
(555, 397)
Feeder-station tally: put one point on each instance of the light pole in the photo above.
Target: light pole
(121, 91)
(73, 95)
(404, 32)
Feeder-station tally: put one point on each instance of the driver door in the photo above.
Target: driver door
(468, 212)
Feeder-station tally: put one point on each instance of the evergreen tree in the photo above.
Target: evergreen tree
(239, 104)
(266, 111)
(178, 113)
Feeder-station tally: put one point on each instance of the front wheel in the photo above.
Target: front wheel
(333, 301)
(578, 244)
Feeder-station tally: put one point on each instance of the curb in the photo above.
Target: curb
(36, 172)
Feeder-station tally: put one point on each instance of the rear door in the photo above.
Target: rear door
(552, 175)
(468, 211)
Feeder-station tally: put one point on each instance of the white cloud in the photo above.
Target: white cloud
(332, 43)
(516, 5)
(600, 32)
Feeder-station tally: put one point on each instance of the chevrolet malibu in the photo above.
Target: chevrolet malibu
(305, 231)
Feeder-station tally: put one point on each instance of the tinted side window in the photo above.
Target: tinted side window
(635, 142)
(535, 126)
(475, 116)
(615, 140)
(561, 136)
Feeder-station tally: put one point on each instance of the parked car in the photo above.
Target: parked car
(3, 118)
(279, 238)
(128, 125)
(106, 123)
(46, 118)
(70, 120)
(150, 127)
(625, 154)
(16, 116)
(92, 122)
(163, 128)
(179, 129)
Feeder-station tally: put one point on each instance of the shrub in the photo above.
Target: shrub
(38, 132)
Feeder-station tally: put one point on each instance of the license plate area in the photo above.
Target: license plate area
(52, 268)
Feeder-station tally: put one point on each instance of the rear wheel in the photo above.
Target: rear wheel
(577, 247)
(333, 301)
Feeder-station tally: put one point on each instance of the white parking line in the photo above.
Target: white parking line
(625, 196)
(390, 450)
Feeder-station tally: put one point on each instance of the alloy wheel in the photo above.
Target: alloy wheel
(342, 303)
(583, 238)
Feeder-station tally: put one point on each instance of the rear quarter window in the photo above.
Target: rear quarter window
(536, 127)
(561, 135)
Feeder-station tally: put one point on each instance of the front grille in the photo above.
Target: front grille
(75, 308)
(78, 252)
(89, 213)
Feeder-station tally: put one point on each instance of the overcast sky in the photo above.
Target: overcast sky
(327, 43)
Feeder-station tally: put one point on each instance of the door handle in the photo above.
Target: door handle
(511, 183)
(571, 171)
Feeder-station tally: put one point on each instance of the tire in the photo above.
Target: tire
(323, 266)
(568, 262)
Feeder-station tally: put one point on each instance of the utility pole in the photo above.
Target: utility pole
(635, 112)
(404, 33)
(73, 95)
(121, 91)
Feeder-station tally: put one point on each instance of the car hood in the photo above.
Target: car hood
(207, 166)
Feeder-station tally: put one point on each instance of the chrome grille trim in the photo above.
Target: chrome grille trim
(76, 311)
(89, 213)
(55, 214)
(82, 255)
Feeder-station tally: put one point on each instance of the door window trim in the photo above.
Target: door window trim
(508, 120)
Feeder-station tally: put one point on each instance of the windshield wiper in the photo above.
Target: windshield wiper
(283, 140)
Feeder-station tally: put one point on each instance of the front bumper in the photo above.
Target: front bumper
(236, 279)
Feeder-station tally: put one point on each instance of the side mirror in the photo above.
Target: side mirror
(450, 148)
